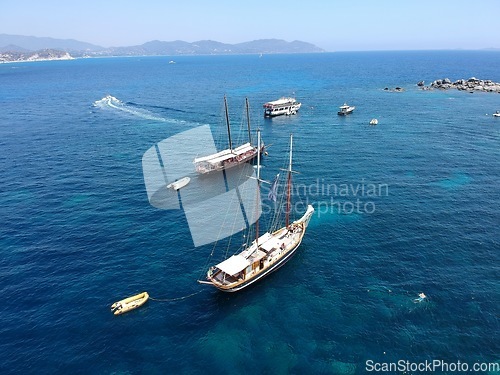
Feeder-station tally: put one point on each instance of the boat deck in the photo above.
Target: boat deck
(224, 278)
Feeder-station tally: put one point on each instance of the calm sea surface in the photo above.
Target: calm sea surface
(408, 206)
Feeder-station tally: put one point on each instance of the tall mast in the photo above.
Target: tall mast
(248, 122)
(228, 125)
(258, 189)
(289, 183)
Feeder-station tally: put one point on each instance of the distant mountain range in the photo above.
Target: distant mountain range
(19, 47)
(33, 43)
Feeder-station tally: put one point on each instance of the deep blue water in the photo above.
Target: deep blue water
(77, 231)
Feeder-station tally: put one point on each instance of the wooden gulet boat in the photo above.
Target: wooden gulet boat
(231, 156)
(267, 252)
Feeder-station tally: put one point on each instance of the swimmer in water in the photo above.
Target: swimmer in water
(421, 297)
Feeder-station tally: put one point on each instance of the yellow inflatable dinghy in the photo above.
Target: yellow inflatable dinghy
(129, 303)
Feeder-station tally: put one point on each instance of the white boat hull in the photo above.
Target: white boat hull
(346, 111)
(179, 184)
(283, 106)
(288, 112)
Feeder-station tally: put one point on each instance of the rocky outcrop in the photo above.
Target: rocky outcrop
(395, 89)
(472, 84)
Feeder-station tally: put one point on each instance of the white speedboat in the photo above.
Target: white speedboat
(345, 109)
(496, 114)
(373, 121)
(179, 184)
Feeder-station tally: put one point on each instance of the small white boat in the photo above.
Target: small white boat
(373, 121)
(345, 109)
(496, 114)
(179, 183)
(129, 303)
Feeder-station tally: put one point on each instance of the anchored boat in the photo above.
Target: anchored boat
(231, 156)
(179, 184)
(130, 303)
(282, 106)
(345, 110)
(267, 252)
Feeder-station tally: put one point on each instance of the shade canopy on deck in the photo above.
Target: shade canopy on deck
(233, 265)
(225, 154)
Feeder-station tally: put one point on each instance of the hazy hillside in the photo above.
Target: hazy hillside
(32, 43)
(19, 43)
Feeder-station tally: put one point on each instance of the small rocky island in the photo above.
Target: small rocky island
(395, 89)
(472, 84)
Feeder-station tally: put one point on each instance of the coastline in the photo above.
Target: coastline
(7, 57)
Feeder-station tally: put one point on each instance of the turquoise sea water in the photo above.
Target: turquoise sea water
(77, 231)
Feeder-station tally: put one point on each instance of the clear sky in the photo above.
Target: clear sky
(348, 25)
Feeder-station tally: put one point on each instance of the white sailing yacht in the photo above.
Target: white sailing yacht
(229, 157)
(268, 251)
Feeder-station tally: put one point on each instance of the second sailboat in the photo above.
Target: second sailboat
(229, 157)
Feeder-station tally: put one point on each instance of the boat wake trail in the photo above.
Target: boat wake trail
(163, 108)
(111, 103)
